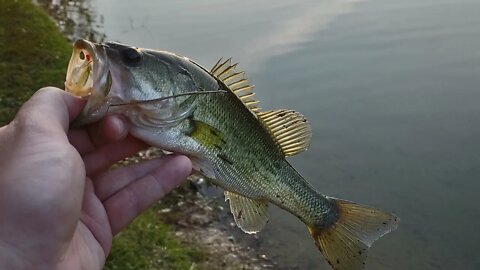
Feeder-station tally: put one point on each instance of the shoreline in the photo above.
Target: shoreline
(186, 230)
(201, 221)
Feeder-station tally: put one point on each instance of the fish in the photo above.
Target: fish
(213, 117)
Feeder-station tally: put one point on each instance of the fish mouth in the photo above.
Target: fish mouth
(86, 68)
(88, 77)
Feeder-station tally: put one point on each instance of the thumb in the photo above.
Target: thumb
(49, 108)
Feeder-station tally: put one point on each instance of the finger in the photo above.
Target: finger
(106, 155)
(80, 139)
(110, 129)
(135, 198)
(112, 181)
(95, 217)
(49, 110)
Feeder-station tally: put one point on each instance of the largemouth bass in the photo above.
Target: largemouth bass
(212, 116)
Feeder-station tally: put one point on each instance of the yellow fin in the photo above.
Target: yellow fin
(236, 82)
(289, 129)
(249, 214)
(345, 243)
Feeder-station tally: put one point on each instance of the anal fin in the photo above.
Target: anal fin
(249, 214)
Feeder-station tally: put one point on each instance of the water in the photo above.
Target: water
(74, 18)
(391, 89)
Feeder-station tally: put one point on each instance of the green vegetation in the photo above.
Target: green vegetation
(149, 244)
(33, 54)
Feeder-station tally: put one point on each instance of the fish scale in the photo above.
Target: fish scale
(274, 179)
(212, 117)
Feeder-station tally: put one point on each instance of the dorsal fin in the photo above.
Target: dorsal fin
(289, 129)
(236, 81)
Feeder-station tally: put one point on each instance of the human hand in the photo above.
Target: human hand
(60, 206)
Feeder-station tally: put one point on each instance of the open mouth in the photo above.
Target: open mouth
(88, 77)
(79, 81)
(87, 72)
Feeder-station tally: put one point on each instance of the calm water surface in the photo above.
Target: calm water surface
(391, 89)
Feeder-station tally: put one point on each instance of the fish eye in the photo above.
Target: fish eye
(82, 55)
(131, 57)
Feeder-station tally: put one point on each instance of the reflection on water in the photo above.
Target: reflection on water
(391, 89)
(290, 33)
(75, 18)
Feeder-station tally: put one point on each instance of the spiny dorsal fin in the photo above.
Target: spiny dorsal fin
(236, 81)
(289, 129)
(249, 214)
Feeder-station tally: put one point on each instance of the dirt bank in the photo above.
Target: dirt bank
(186, 230)
(203, 222)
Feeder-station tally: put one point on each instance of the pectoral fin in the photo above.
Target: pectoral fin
(203, 167)
(250, 215)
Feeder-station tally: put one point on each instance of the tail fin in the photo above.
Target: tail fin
(344, 244)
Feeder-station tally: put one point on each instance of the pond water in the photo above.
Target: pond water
(391, 89)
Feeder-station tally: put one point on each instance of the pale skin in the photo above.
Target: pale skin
(60, 205)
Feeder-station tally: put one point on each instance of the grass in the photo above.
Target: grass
(33, 54)
(149, 244)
